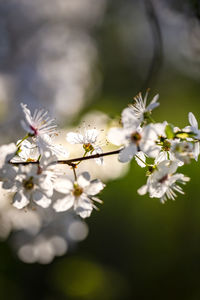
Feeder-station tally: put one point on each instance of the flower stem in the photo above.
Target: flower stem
(144, 162)
(26, 136)
(82, 156)
(74, 171)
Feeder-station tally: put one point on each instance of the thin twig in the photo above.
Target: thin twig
(71, 161)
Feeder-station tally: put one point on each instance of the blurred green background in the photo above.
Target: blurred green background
(137, 248)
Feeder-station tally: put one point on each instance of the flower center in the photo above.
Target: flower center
(77, 190)
(88, 147)
(28, 183)
(35, 131)
(136, 137)
(166, 145)
(163, 179)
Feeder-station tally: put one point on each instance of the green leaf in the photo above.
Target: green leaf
(169, 130)
(184, 135)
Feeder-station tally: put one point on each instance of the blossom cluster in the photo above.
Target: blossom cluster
(34, 171)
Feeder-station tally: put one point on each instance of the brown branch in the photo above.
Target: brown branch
(71, 161)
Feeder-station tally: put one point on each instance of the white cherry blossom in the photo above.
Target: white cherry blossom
(79, 194)
(34, 183)
(26, 152)
(89, 141)
(39, 123)
(140, 109)
(134, 139)
(42, 128)
(163, 183)
(183, 151)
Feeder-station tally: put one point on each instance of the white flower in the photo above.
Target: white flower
(183, 151)
(41, 128)
(166, 145)
(162, 183)
(79, 194)
(38, 124)
(45, 143)
(88, 140)
(26, 152)
(129, 118)
(33, 183)
(139, 108)
(134, 139)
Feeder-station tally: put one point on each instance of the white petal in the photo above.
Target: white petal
(59, 151)
(129, 118)
(141, 155)
(143, 190)
(26, 127)
(192, 120)
(95, 187)
(127, 153)
(75, 138)
(153, 104)
(64, 204)
(196, 151)
(116, 136)
(91, 136)
(63, 185)
(47, 186)
(149, 133)
(85, 213)
(98, 150)
(27, 113)
(83, 179)
(84, 207)
(41, 199)
(20, 200)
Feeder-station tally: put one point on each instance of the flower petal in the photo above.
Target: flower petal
(196, 151)
(116, 136)
(75, 138)
(41, 199)
(127, 153)
(141, 156)
(153, 104)
(143, 190)
(95, 187)
(84, 207)
(64, 204)
(91, 136)
(98, 150)
(20, 200)
(129, 119)
(192, 120)
(83, 179)
(63, 185)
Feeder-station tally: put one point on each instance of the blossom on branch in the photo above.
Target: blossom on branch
(162, 183)
(89, 142)
(79, 194)
(140, 109)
